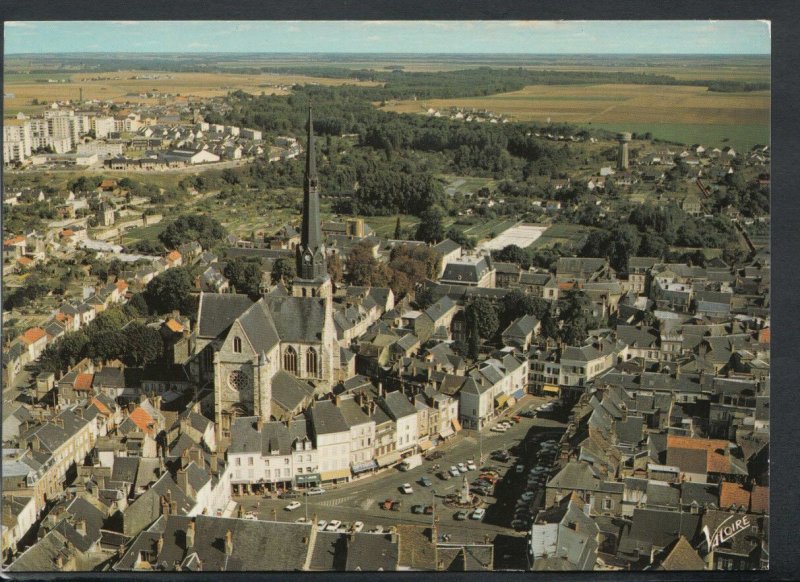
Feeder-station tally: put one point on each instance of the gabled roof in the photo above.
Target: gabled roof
(258, 325)
(299, 319)
(680, 556)
(398, 406)
(521, 327)
(217, 311)
(326, 418)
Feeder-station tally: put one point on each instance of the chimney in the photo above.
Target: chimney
(190, 535)
(164, 506)
(228, 543)
(214, 463)
(159, 545)
(337, 400)
(183, 482)
(59, 561)
(259, 424)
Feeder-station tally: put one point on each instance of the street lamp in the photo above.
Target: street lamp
(305, 502)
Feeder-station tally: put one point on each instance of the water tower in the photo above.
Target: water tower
(622, 156)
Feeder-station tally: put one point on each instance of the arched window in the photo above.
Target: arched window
(312, 363)
(304, 291)
(290, 360)
(237, 344)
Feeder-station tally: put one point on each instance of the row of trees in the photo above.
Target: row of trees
(112, 335)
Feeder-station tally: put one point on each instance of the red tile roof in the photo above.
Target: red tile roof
(101, 407)
(83, 382)
(25, 261)
(759, 499)
(733, 494)
(684, 442)
(173, 256)
(121, 286)
(33, 334)
(14, 240)
(143, 420)
(174, 326)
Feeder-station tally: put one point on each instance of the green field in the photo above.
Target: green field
(740, 137)
(563, 234)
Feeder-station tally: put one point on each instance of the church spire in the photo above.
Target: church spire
(311, 265)
(311, 236)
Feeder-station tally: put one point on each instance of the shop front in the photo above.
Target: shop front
(307, 480)
(360, 469)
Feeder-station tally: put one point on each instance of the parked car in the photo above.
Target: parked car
(443, 475)
(388, 503)
(321, 525)
(527, 496)
(454, 471)
(520, 468)
(333, 525)
(471, 466)
(251, 517)
(290, 495)
(428, 510)
(520, 524)
(406, 488)
(434, 456)
(478, 514)
(315, 491)
(302, 520)
(417, 508)
(292, 506)
(425, 481)
(378, 529)
(462, 468)
(516, 419)
(358, 526)
(498, 428)
(460, 516)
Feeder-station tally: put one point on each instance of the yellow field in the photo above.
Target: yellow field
(613, 104)
(185, 84)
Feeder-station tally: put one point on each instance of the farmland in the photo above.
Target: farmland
(684, 114)
(121, 86)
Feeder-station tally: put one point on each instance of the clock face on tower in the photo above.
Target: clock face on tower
(307, 259)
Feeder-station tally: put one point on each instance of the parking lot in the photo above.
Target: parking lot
(362, 500)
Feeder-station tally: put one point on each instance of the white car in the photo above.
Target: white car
(454, 471)
(478, 514)
(406, 488)
(462, 467)
(358, 526)
(472, 466)
(378, 529)
(507, 423)
(321, 525)
(527, 496)
(251, 517)
(292, 506)
(499, 428)
(302, 520)
(315, 491)
(333, 525)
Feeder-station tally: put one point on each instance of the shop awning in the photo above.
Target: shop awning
(456, 425)
(501, 400)
(425, 444)
(519, 393)
(446, 431)
(550, 389)
(511, 401)
(338, 474)
(364, 466)
(307, 478)
(389, 459)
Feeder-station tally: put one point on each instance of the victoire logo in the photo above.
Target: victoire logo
(725, 532)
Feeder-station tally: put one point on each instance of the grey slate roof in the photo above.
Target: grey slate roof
(352, 413)
(250, 538)
(397, 405)
(326, 418)
(259, 327)
(217, 311)
(521, 327)
(371, 553)
(289, 391)
(300, 319)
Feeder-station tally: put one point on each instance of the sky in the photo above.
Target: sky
(533, 37)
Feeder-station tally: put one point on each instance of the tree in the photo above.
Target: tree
(473, 342)
(398, 231)
(362, 267)
(518, 303)
(335, 269)
(138, 303)
(170, 291)
(575, 310)
(457, 235)
(283, 270)
(245, 275)
(424, 297)
(511, 254)
(430, 228)
(144, 344)
(482, 313)
(192, 227)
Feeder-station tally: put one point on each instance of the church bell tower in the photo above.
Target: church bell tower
(312, 279)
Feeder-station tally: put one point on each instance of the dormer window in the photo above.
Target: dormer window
(237, 345)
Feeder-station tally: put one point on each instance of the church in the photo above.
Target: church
(272, 357)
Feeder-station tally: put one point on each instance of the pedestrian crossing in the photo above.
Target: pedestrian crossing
(335, 502)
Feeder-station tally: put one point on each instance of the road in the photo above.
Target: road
(361, 499)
